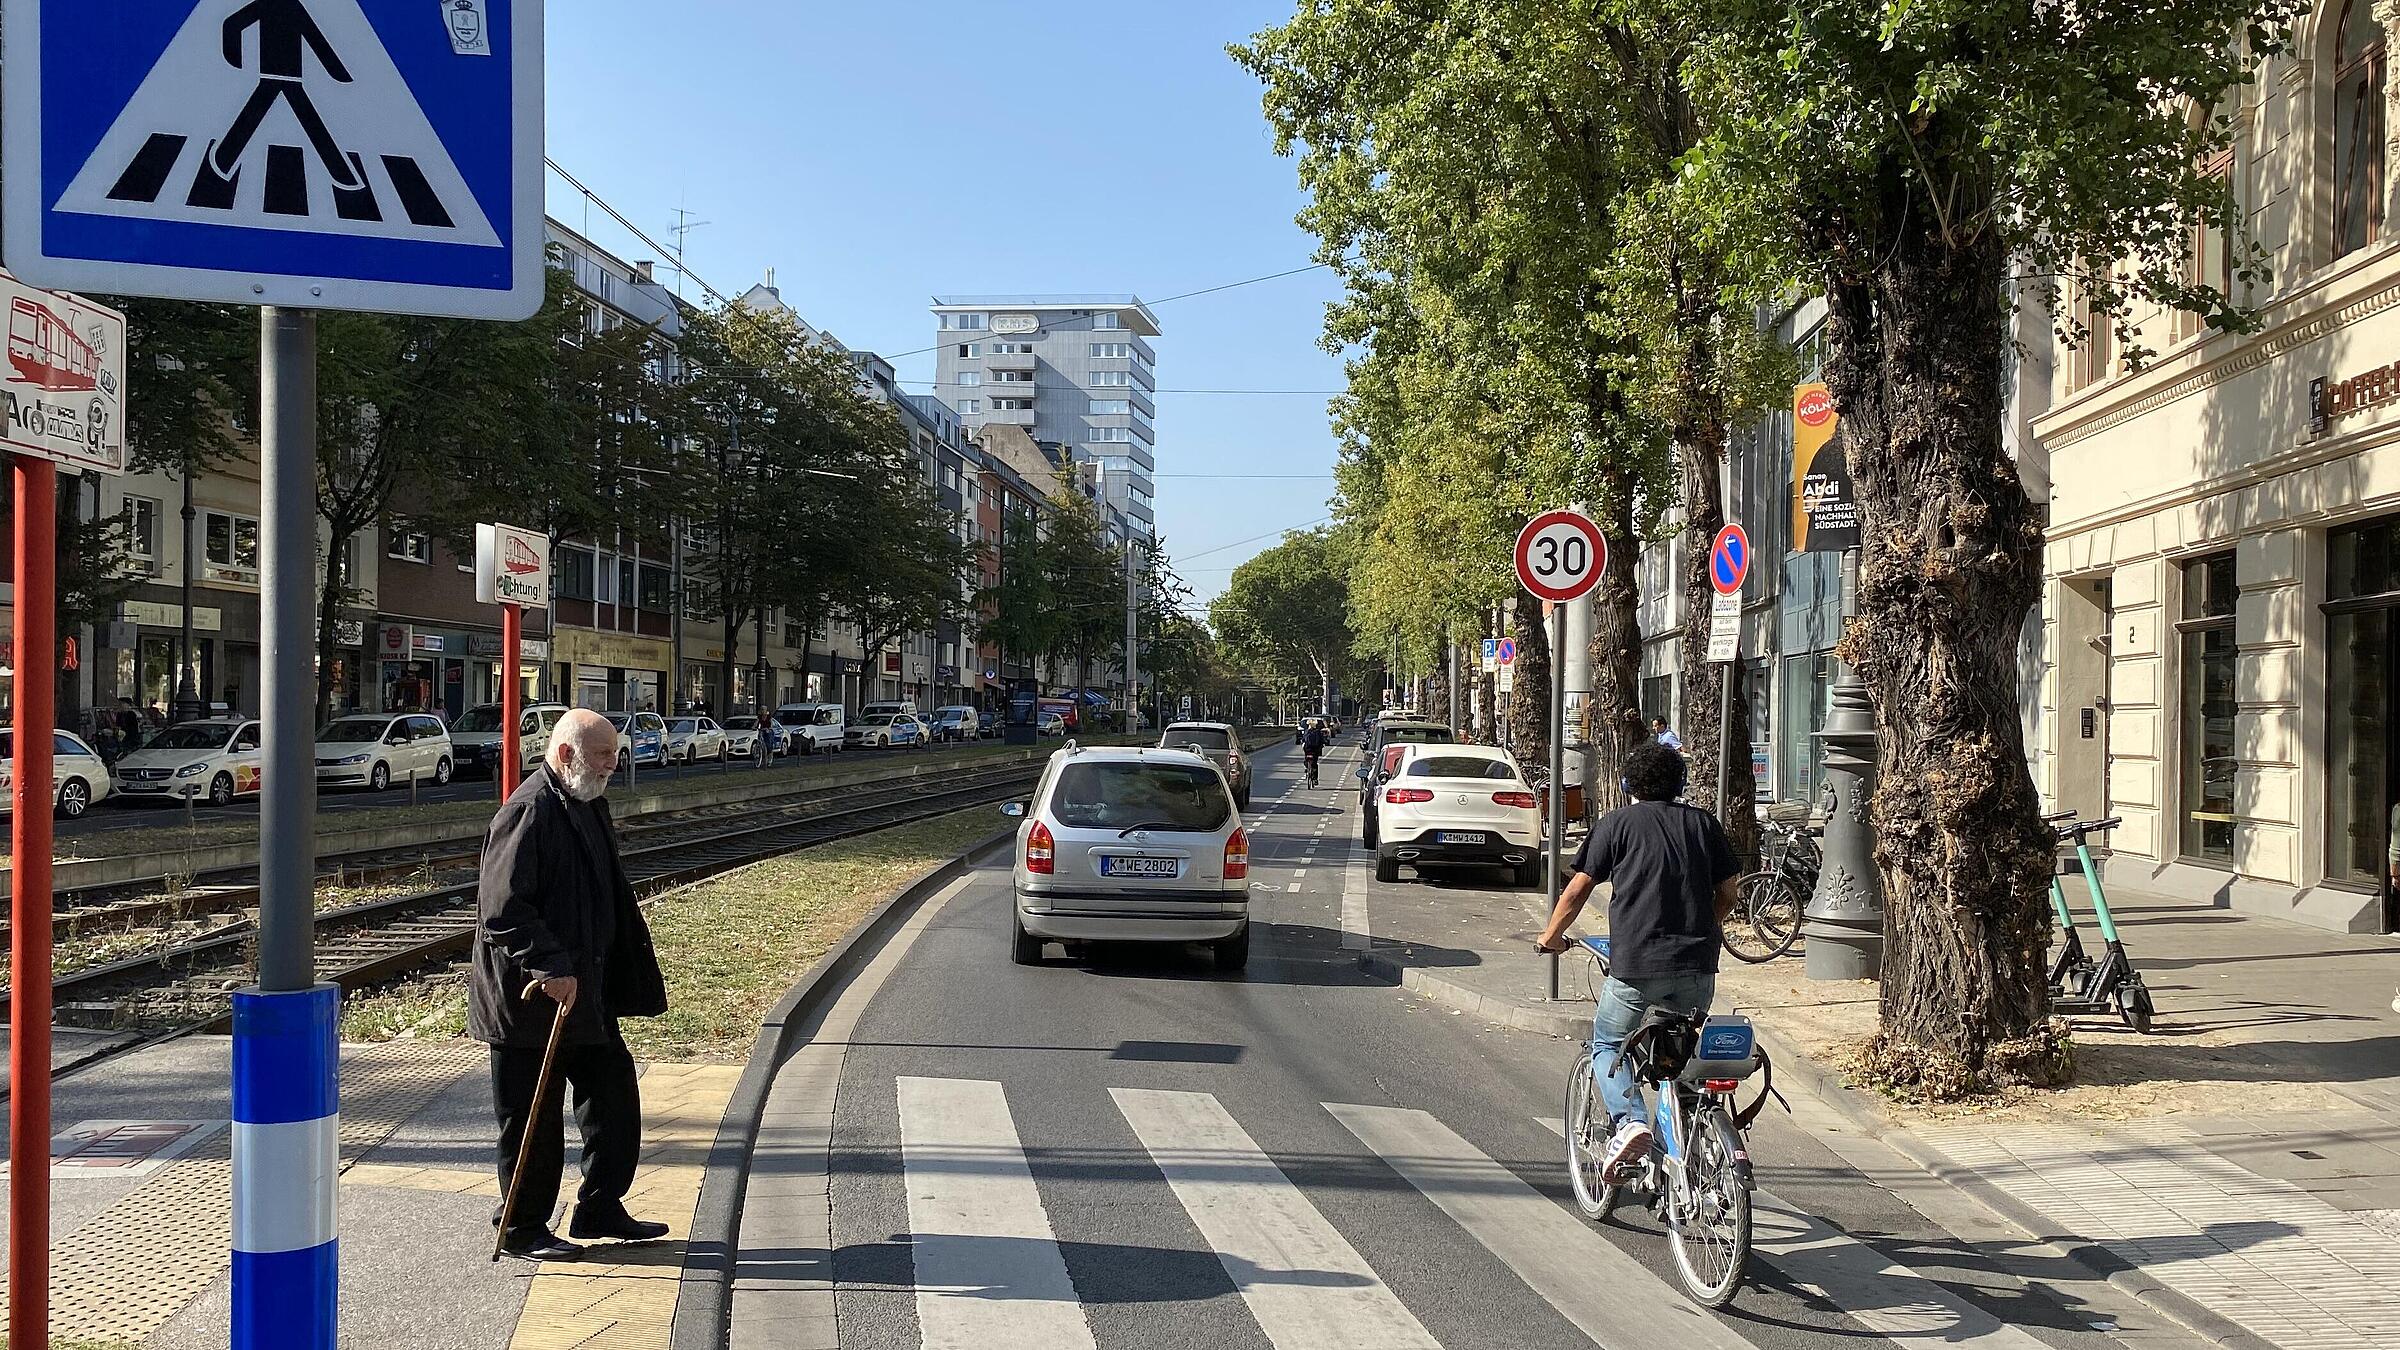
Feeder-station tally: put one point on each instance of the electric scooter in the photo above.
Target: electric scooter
(2079, 984)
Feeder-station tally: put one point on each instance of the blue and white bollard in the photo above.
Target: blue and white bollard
(286, 1156)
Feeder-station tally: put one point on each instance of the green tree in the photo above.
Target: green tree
(1285, 613)
(1917, 156)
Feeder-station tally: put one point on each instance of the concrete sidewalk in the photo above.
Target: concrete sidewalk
(141, 1183)
(2239, 1168)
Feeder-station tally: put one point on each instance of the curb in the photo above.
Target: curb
(1418, 980)
(704, 1309)
(1853, 1107)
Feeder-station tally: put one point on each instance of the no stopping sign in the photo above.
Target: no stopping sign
(1560, 555)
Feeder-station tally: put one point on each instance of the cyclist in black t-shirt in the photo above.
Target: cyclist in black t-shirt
(1672, 880)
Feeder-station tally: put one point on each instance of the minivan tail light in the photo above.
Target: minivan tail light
(1403, 796)
(1237, 857)
(1041, 851)
(1524, 799)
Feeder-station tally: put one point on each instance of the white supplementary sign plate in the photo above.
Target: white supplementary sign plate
(347, 154)
(63, 389)
(1725, 627)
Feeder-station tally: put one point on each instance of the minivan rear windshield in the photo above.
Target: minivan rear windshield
(1122, 795)
(1461, 766)
(1207, 738)
(1414, 735)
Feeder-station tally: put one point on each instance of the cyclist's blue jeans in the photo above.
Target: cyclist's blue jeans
(1620, 1011)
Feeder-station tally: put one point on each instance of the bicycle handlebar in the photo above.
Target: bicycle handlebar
(2080, 828)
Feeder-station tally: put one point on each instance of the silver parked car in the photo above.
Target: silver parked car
(1223, 747)
(1132, 846)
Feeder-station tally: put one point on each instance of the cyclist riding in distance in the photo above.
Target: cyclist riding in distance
(1312, 744)
(1673, 880)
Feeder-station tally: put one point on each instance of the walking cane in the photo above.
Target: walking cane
(541, 1089)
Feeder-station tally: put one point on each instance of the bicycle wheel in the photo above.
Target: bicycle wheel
(1712, 1239)
(1767, 921)
(1587, 1138)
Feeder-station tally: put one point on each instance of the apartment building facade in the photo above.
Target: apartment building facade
(1075, 372)
(2222, 605)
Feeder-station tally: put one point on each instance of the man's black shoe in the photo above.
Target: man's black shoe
(540, 1244)
(614, 1224)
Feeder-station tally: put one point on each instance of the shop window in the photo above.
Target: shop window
(2358, 77)
(2362, 730)
(1805, 697)
(2210, 664)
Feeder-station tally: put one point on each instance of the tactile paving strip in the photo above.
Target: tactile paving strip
(120, 1276)
(124, 1273)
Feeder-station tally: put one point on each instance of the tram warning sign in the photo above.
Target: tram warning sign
(320, 154)
(62, 393)
(1560, 556)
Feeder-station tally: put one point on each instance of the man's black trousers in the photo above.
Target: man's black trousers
(608, 1110)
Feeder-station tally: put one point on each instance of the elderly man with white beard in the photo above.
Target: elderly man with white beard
(555, 909)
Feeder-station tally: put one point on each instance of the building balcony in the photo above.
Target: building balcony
(1012, 361)
(1015, 417)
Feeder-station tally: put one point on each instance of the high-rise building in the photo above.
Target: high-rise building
(1075, 371)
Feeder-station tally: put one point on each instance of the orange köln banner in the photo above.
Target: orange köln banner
(1824, 509)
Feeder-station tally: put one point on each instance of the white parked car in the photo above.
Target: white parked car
(376, 750)
(692, 739)
(958, 722)
(77, 776)
(1458, 806)
(810, 728)
(217, 758)
(475, 737)
(887, 729)
(1131, 846)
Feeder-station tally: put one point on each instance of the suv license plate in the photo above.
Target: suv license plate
(1141, 867)
(1462, 837)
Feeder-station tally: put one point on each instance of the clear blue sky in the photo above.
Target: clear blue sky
(875, 155)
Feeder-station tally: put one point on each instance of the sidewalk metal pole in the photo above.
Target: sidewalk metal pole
(285, 1089)
(36, 483)
(1558, 770)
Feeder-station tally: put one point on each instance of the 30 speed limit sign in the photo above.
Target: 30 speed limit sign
(1560, 555)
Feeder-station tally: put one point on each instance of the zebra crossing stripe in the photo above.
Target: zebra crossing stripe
(1877, 1293)
(977, 1226)
(1303, 1282)
(1603, 1291)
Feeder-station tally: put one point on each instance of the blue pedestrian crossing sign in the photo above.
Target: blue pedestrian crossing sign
(336, 154)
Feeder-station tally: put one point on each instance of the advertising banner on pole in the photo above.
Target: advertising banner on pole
(1824, 507)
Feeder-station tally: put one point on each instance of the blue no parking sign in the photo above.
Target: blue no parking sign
(1729, 560)
(311, 153)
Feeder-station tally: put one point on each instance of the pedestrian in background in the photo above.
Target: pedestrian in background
(1660, 733)
(555, 908)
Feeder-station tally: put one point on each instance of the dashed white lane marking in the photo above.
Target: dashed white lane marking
(1266, 1232)
(1580, 1273)
(1295, 886)
(978, 1225)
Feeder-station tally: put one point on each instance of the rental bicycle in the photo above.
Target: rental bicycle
(1312, 770)
(1697, 1175)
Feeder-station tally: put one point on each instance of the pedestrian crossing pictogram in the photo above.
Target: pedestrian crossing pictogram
(280, 114)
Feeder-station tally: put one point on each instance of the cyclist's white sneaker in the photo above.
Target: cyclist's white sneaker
(1629, 1145)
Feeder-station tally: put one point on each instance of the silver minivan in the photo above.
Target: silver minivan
(1131, 846)
(1223, 747)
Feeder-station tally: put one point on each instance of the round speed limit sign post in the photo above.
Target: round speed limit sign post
(1560, 556)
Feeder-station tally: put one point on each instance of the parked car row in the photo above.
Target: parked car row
(1425, 801)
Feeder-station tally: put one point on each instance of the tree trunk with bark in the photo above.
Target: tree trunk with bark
(1529, 697)
(1616, 655)
(1950, 565)
(1709, 737)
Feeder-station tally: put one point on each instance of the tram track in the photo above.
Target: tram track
(186, 987)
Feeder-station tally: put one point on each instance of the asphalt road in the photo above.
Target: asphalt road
(118, 813)
(1138, 1151)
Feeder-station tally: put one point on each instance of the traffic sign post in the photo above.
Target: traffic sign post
(512, 570)
(1728, 566)
(1560, 556)
(36, 485)
(296, 155)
